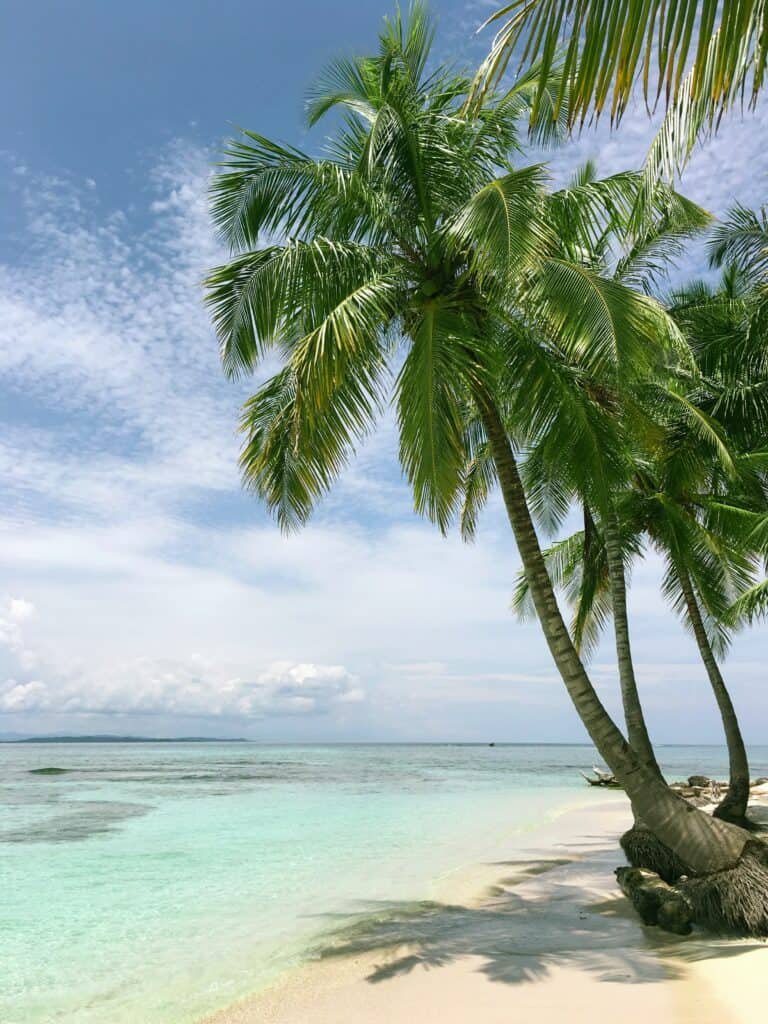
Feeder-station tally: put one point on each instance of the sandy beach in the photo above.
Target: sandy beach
(541, 934)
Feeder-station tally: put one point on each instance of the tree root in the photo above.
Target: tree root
(734, 900)
(655, 901)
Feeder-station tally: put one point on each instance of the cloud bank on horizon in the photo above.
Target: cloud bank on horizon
(145, 592)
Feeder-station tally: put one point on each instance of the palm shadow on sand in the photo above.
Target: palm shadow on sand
(540, 916)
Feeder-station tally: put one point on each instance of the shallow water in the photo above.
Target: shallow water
(155, 882)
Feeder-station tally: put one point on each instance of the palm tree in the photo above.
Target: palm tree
(700, 55)
(633, 243)
(731, 325)
(701, 507)
(700, 567)
(727, 327)
(415, 260)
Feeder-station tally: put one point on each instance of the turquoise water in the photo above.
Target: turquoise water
(153, 883)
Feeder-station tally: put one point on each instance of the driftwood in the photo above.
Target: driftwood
(655, 901)
(602, 779)
(699, 789)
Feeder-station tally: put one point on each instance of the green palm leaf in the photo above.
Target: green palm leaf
(503, 224)
(608, 48)
(429, 402)
(602, 324)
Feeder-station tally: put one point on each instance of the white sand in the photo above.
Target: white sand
(543, 935)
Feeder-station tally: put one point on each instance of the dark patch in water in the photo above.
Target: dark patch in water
(49, 771)
(83, 819)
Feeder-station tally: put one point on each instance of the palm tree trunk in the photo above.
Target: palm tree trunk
(703, 843)
(637, 731)
(733, 806)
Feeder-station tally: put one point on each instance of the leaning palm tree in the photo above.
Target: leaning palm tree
(728, 330)
(701, 505)
(632, 241)
(415, 261)
(703, 571)
(704, 568)
(730, 324)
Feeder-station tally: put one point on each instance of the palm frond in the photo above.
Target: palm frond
(661, 226)
(292, 290)
(503, 224)
(742, 240)
(265, 189)
(606, 327)
(706, 429)
(577, 567)
(608, 48)
(751, 606)
(478, 478)
(429, 402)
(301, 429)
(589, 209)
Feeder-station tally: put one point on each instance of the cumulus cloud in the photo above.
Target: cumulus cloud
(191, 688)
(14, 611)
(195, 686)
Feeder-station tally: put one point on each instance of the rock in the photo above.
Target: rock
(699, 780)
(760, 782)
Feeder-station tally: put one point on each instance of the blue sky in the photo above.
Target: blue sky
(140, 590)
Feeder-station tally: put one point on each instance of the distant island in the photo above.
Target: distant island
(127, 739)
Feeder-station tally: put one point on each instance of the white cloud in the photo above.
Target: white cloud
(14, 611)
(128, 545)
(19, 609)
(117, 348)
(194, 687)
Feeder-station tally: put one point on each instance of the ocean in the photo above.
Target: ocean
(153, 883)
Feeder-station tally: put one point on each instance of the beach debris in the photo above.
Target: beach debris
(602, 779)
(700, 790)
(656, 902)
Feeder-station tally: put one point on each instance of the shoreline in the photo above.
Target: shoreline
(540, 933)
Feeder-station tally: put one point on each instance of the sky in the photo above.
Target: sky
(141, 591)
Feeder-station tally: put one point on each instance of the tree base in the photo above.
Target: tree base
(643, 850)
(734, 900)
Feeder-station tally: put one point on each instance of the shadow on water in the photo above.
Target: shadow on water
(80, 820)
(520, 936)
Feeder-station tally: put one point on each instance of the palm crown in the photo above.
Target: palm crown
(415, 260)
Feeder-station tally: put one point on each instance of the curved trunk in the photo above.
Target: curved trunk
(733, 807)
(637, 731)
(703, 843)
